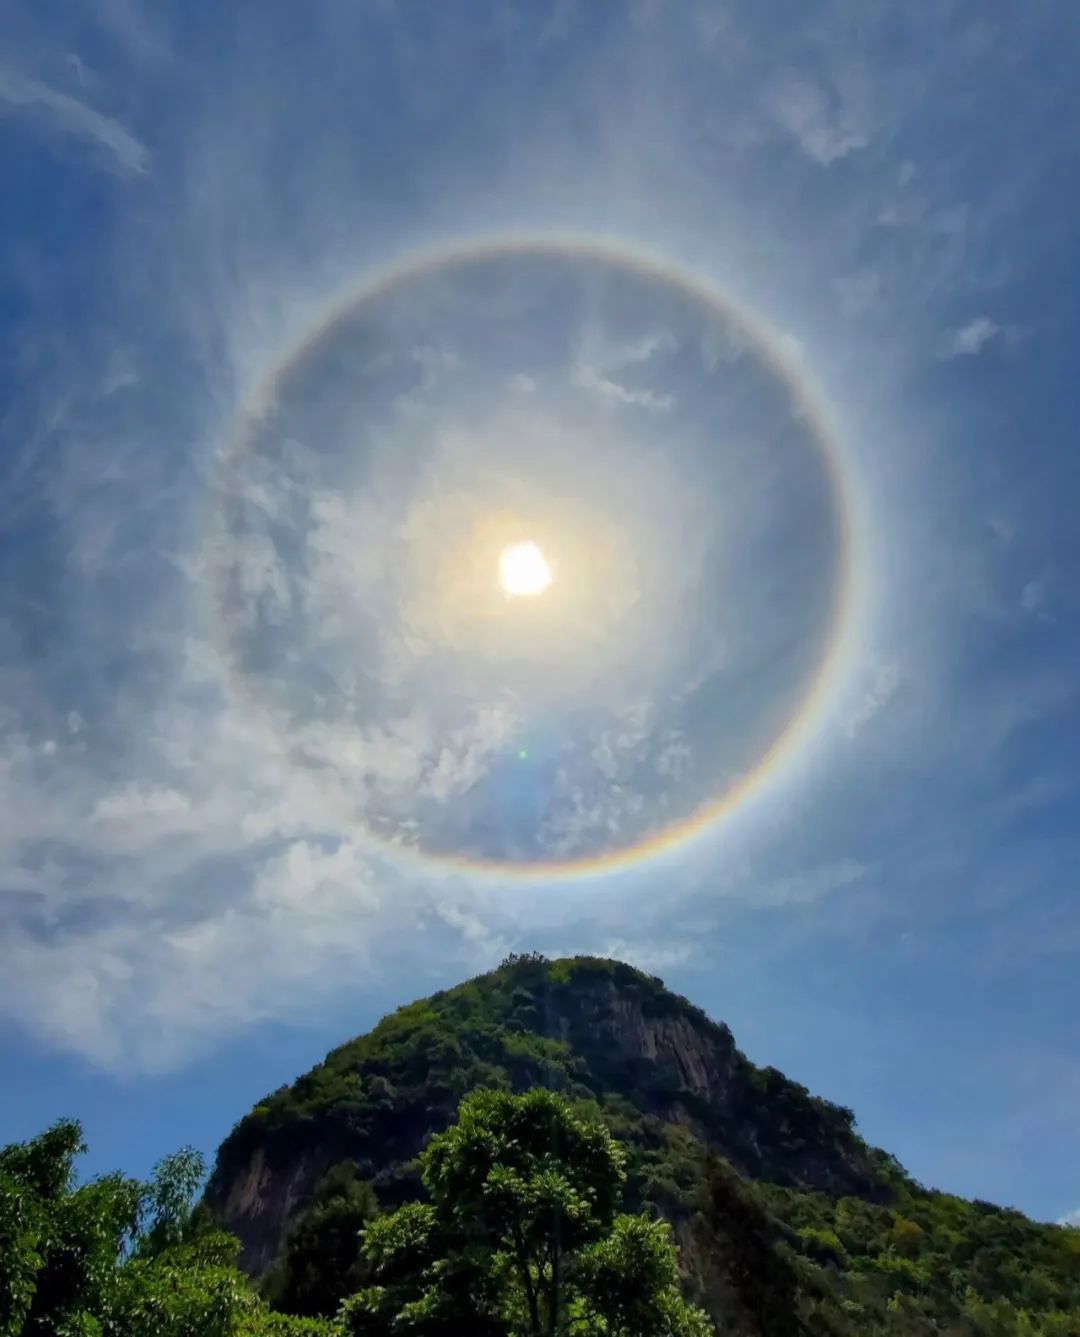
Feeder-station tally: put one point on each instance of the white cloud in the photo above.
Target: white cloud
(65, 989)
(804, 888)
(316, 882)
(260, 577)
(594, 369)
(141, 816)
(971, 339)
(1035, 592)
(643, 349)
(651, 957)
(69, 116)
(465, 753)
(474, 928)
(196, 897)
(1070, 1219)
(136, 801)
(149, 990)
(885, 682)
(825, 128)
(590, 378)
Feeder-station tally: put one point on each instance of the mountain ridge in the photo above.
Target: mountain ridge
(596, 1028)
(770, 1190)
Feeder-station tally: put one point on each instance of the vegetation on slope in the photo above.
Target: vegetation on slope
(528, 1213)
(529, 1024)
(762, 1251)
(931, 1258)
(520, 1238)
(118, 1257)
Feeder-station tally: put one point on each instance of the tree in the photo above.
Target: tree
(169, 1214)
(429, 1285)
(520, 1236)
(116, 1256)
(628, 1285)
(745, 1262)
(59, 1244)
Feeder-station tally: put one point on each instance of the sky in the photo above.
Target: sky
(760, 322)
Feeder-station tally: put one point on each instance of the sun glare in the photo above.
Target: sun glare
(523, 570)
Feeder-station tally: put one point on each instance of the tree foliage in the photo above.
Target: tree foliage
(520, 1235)
(523, 1199)
(628, 1285)
(532, 1023)
(875, 1254)
(115, 1257)
(927, 1260)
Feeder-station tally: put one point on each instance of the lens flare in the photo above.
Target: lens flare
(523, 571)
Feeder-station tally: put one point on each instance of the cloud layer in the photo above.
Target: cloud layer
(186, 798)
(696, 572)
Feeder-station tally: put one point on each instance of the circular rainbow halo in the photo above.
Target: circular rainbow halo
(536, 556)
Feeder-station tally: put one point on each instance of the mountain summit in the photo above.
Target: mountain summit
(593, 1029)
(782, 1212)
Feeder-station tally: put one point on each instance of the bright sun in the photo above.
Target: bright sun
(523, 570)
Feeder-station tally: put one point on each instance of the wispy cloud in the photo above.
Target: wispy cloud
(596, 368)
(159, 913)
(811, 885)
(66, 115)
(826, 126)
(589, 378)
(886, 680)
(652, 957)
(1035, 594)
(969, 340)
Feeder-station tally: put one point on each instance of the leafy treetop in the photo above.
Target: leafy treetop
(520, 1236)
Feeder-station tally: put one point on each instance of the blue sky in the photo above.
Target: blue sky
(222, 668)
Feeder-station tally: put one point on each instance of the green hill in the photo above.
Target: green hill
(786, 1220)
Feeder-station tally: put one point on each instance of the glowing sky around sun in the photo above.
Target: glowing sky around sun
(533, 398)
(523, 570)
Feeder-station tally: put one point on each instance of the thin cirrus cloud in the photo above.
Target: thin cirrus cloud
(598, 370)
(69, 117)
(827, 127)
(970, 339)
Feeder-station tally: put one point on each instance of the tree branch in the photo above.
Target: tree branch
(527, 1282)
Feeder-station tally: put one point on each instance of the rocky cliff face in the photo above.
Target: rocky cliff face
(672, 1082)
(263, 1198)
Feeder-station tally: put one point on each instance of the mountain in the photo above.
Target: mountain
(784, 1216)
(660, 1070)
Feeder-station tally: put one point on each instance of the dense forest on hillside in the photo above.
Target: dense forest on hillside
(646, 1181)
(836, 1226)
(510, 1029)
